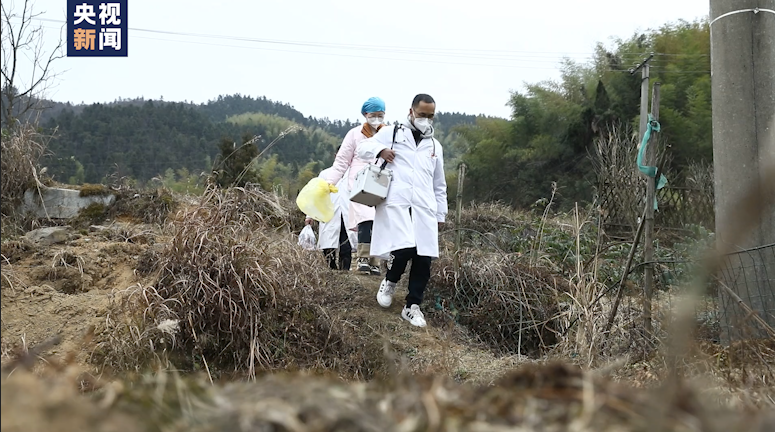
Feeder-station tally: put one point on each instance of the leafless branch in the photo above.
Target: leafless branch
(23, 42)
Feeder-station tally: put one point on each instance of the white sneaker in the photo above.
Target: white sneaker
(385, 293)
(413, 315)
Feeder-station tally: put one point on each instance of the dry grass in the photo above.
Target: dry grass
(545, 398)
(21, 151)
(11, 251)
(128, 233)
(507, 304)
(14, 250)
(237, 293)
(493, 226)
(9, 279)
(586, 307)
(150, 207)
(576, 307)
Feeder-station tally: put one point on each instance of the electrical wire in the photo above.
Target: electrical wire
(486, 54)
(412, 60)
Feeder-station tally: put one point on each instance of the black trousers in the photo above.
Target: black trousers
(345, 250)
(364, 232)
(419, 274)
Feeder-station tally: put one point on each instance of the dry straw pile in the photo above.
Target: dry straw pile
(233, 290)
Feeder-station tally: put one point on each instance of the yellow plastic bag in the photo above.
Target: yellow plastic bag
(315, 200)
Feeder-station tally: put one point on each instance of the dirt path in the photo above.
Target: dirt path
(446, 349)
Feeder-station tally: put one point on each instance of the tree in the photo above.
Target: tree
(235, 165)
(23, 84)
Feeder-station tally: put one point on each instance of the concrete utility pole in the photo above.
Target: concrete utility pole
(743, 92)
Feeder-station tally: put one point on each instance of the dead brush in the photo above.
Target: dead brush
(22, 149)
(10, 279)
(585, 306)
(147, 207)
(246, 297)
(65, 259)
(131, 341)
(534, 397)
(507, 302)
(271, 209)
(15, 250)
(128, 233)
(553, 397)
(489, 225)
(500, 298)
(490, 217)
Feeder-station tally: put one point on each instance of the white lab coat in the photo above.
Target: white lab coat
(418, 183)
(328, 236)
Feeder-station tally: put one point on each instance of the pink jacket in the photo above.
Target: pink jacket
(347, 157)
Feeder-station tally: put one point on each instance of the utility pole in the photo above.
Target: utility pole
(742, 34)
(648, 227)
(644, 94)
(647, 224)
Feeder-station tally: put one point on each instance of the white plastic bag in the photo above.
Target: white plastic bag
(307, 238)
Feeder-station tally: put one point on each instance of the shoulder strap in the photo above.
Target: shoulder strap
(395, 131)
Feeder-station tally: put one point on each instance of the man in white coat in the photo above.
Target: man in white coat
(406, 223)
(333, 235)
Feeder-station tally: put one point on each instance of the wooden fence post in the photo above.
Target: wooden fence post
(648, 235)
(458, 232)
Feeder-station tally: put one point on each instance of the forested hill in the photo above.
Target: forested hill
(146, 139)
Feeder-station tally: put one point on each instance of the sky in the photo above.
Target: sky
(326, 57)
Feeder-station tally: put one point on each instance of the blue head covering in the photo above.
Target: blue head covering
(374, 104)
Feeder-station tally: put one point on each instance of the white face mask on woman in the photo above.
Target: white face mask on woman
(375, 121)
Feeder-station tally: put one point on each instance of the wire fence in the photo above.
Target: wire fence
(671, 280)
(739, 302)
(747, 294)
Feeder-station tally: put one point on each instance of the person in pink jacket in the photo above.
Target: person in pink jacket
(361, 217)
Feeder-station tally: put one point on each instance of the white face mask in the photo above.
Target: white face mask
(422, 124)
(375, 121)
